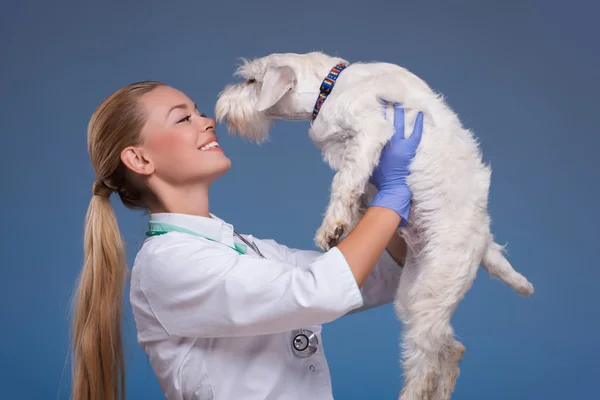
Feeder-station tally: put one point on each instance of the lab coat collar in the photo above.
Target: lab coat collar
(213, 227)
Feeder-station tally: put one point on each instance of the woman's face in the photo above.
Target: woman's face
(179, 141)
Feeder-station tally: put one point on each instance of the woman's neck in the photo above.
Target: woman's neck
(191, 200)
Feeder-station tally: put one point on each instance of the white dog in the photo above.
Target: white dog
(448, 230)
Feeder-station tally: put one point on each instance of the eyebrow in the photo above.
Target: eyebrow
(182, 106)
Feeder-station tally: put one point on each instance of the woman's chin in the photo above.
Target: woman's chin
(220, 167)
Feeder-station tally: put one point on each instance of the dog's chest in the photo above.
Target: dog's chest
(326, 136)
(335, 144)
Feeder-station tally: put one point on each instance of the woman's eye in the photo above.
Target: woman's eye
(185, 119)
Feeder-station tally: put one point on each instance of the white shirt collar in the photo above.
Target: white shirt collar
(214, 227)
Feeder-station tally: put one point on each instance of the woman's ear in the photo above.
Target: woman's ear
(276, 83)
(135, 160)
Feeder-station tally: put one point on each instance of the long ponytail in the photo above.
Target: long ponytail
(98, 371)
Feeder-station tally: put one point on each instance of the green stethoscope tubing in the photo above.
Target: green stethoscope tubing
(160, 228)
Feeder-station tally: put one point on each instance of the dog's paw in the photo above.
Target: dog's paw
(328, 235)
(337, 234)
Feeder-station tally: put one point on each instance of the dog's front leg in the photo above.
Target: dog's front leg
(360, 156)
(344, 199)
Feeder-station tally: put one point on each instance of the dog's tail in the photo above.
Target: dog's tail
(498, 266)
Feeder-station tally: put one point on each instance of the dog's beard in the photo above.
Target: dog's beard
(241, 115)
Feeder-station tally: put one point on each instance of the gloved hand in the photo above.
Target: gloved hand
(389, 177)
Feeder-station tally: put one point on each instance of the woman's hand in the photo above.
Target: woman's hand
(389, 177)
(365, 244)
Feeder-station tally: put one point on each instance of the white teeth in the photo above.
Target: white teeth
(209, 146)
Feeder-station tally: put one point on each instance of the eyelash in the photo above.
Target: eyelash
(187, 118)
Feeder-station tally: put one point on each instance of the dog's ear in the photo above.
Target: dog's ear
(276, 82)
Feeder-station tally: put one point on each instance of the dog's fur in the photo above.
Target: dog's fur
(448, 230)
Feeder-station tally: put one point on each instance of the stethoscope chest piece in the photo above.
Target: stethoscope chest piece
(304, 343)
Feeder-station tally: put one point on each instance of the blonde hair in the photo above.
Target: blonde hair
(98, 361)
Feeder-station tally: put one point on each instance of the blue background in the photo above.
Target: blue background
(523, 75)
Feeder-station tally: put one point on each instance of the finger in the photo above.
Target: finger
(415, 138)
(398, 121)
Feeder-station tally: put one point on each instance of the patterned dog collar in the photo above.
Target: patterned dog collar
(326, 88)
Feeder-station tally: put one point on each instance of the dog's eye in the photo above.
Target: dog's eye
(251, 80)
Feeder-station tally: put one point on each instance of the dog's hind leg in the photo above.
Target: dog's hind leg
(421, 340)
(432, 285)
(450, 355)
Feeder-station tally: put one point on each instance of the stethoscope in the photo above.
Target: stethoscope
(160, 228)
(304, 342)
(252, 245)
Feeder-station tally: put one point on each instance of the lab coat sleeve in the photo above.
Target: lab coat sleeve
(382, 285)
(196, 288)
(379, 288)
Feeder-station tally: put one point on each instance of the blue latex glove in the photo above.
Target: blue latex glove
(389, 177)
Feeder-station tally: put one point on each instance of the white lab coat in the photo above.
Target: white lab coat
(219, 325)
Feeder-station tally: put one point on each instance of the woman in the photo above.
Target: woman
(220, 315)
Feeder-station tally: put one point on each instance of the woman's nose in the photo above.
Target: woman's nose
(207, 124)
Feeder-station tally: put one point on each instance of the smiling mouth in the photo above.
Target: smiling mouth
(209, 146)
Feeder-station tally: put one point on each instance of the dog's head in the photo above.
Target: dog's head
(278, 86)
